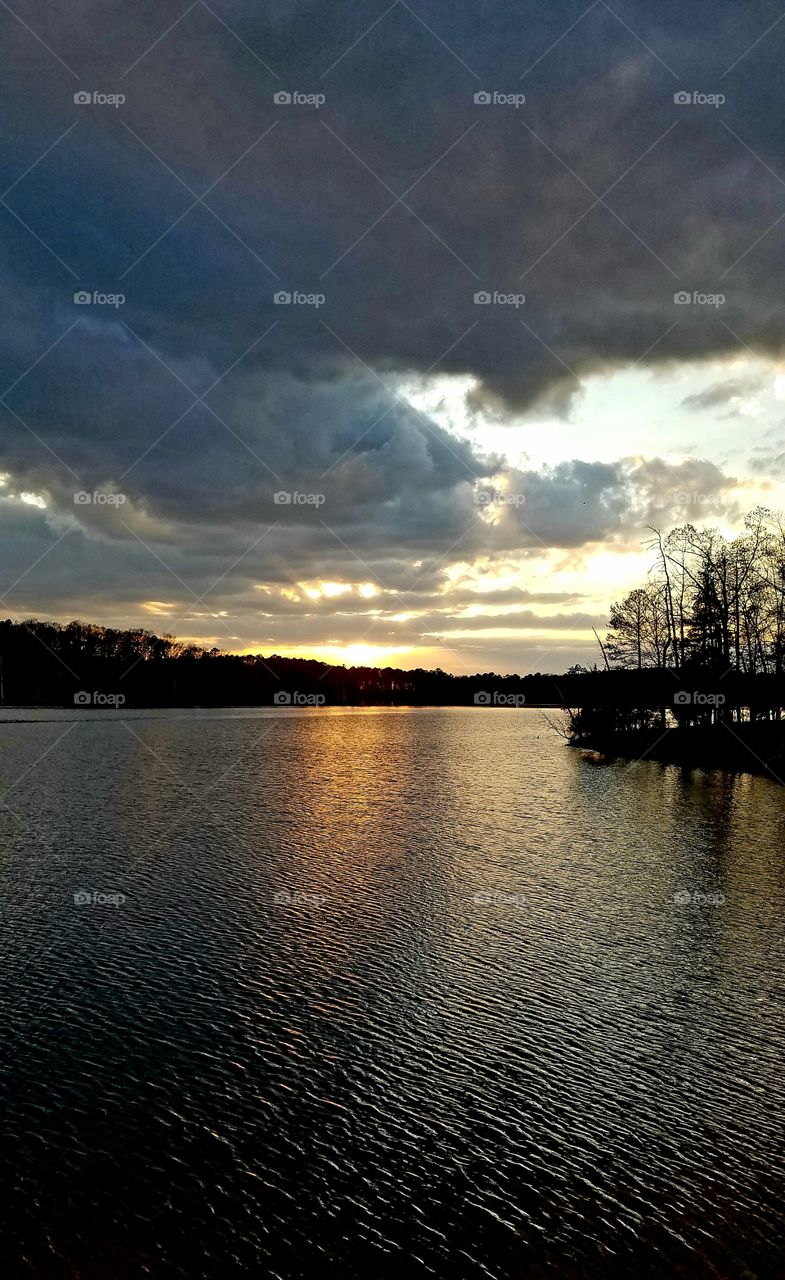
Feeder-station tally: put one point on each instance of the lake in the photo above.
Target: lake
(381, 993)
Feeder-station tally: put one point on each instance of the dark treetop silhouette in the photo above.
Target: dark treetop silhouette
(704, 641)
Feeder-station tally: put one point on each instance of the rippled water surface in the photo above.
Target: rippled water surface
(391, 993)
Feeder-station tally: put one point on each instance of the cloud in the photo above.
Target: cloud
(385, 210)
(721, 394)
(770, 464)
(493, 188)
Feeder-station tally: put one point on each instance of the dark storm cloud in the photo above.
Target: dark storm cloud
(397, 103)
(199, 199)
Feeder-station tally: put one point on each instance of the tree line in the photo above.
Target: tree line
(711, 604)
(51, 664)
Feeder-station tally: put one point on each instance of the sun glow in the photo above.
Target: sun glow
(318, 590)
(352, 655)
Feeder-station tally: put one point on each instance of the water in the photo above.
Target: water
(486, 1043)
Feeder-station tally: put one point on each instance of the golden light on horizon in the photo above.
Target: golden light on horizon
(350, 655)
(367, 655)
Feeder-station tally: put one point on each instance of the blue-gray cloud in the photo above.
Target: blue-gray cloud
(200, 198)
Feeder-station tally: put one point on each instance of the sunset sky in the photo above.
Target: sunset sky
(467, 483)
